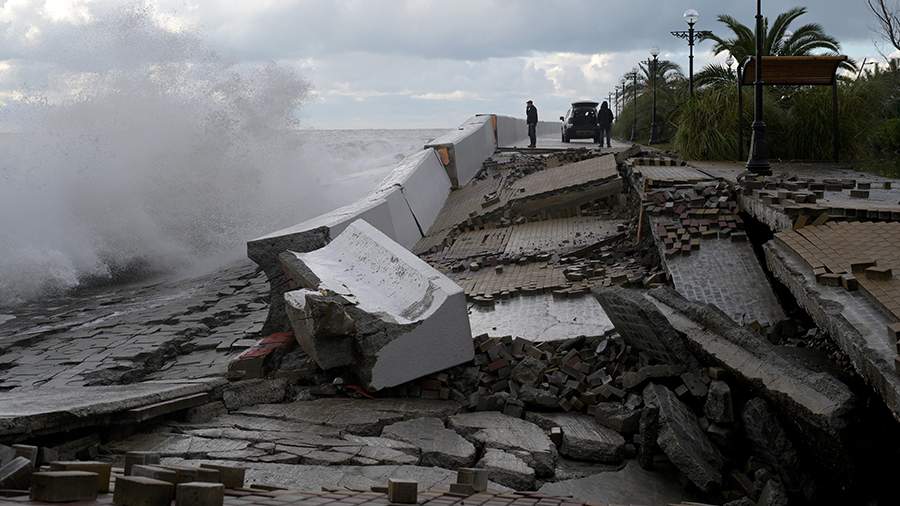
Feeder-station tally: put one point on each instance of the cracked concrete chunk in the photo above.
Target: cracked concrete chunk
(630, 485)
(238, 394)
(365, 417)
(492, 429)
(718, 406)
(683, 441)
(507, 469)
(322, 326)
(440, 446)
(403, 318)
(582, 437)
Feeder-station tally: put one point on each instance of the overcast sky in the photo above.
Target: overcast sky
(395, 63)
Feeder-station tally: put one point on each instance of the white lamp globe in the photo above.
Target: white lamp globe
(691, 16)
(654, 51)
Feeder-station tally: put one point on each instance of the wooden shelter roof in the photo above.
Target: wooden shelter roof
(793, 70)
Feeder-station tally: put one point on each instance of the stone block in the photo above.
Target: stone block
(155, 472)
(141, 491)
(366, 290)
(16, 474)
(683, 440)
(139, 458)
(103, 470)
(63, 486)
(477, 478)
(507, 469)
(230, 476)
(29, 452)
(403, 491)
(187, 474)
(879, 273)
(199, 494)
(719, 406)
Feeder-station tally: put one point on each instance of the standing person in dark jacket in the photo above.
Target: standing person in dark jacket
(604, 122)
(531, 118)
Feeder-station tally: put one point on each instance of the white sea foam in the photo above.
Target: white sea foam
(167, 159)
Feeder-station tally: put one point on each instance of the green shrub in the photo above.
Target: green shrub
(886, 137)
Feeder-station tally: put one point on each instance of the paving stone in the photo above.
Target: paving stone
(582, 437)
(439, 446)
(102, 469)
(155, 472)
(403, 491)
(199, 494)
(140, 491)
(507, 469)
(63, 486)
(29, 452)
(492, 429)
(719, 408)
(16, 474)
(685, 444)
(139, 458)
(230, 476)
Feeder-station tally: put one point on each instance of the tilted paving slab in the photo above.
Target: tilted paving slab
(631, 485)
(359, 416)
(493, 429)
(47, 410)
(855, 323)
(440, 447)
(358, 478)
(508, 469)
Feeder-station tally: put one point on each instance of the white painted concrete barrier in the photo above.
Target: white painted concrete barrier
(464, 150)
(514, 131)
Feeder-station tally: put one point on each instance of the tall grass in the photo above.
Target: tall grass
(798, 120)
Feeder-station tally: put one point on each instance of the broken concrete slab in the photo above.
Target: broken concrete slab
(238, 394)
(181, 445)
(358, 478)
(643, 327)
(493, 429)
(400, 307)
(683, 441)
(439, 446)
(507, 469)
(366, 417)
(771, 443)
(616, 416)
(813, 402)
(583, 438)
(37, 411)
(631, 485)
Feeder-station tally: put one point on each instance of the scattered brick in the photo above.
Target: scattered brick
(63, 486)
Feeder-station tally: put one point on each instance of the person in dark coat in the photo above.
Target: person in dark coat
(531, 118)
(604, 122)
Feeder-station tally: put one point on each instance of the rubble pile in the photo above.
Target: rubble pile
(685, 216)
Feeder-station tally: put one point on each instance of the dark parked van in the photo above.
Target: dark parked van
(580, 122)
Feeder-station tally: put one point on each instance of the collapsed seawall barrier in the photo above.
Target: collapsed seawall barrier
(403, 206)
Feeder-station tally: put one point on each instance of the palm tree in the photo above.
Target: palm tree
(715, 75)
(667, 73)
(778, 39)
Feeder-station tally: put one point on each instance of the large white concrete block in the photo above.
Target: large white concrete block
(468, 147)
(408, 319)
(424, 183)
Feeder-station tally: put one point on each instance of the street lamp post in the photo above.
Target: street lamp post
(691, 35)
(758, 163)
(634, 106)
(654, 132)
